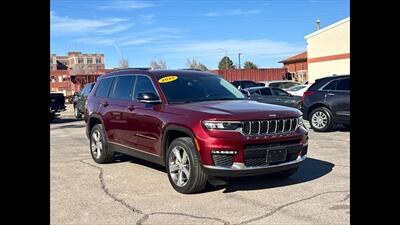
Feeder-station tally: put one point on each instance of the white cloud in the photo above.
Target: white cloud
(125, 5)
(234, 12)
(73, 26)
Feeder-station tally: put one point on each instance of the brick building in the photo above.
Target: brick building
(77, 62)
(297, 66)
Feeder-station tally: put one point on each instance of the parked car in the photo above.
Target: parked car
(298, 90)
(283, 84)
(80, 99)
(275, 96)
(195, 123)
(327, 102)
(56, 104)
(242, 84)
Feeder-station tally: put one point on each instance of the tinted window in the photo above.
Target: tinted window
(275, 85)
(248, 84)
(290, 84)
(123, 87)
(265, 91)
(343, 85)
(280, 92)
(331, 85)
(195, 88)
(143, 84)
(104, 87)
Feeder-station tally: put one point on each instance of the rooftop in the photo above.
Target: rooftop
(296, 58)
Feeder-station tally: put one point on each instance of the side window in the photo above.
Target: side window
(279, 92)
(265, 91)
(331, 85)
(104, 87)
(123, 87)
(275, 84)
(143, 84)
(343, 85)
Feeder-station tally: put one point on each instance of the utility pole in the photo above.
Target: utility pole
(239, 59)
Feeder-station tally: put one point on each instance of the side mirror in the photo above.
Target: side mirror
(148, 97)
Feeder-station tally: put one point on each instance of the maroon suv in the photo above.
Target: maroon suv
(195, 123)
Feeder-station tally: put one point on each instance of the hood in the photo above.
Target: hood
(237, 110)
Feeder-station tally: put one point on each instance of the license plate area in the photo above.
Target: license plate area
(276, 155)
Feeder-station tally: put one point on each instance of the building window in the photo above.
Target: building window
(302, 66)
(89, 61)
(295, 69)
(98, 61)
(80, 61)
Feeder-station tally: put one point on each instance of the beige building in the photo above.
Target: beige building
(329, 50)
(78, 62)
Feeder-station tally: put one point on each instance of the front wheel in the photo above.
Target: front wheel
(98, 146)
(321, 119)
(184, 169)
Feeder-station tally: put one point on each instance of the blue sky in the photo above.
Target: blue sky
(265, 32)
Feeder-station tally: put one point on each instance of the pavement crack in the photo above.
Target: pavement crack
(146, 217)
(270, 213)
(105, 189)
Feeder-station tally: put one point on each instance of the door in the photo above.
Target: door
(101, 97)
(143, 119)
(264, 95)
(120, 99)
(339, 100)
(283, 98)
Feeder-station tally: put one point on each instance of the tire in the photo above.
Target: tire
(321, 119)
(286, 173)
(77, 114)
(100, 152)
(197, 179)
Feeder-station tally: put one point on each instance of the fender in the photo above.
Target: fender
(176, 128)
(97, 116)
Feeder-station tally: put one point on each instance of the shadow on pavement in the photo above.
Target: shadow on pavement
(58, 120)
(311, 169)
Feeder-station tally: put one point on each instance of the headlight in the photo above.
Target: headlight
(300, 121)
(222, 125)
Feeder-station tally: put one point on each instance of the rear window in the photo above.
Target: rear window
(104, 87)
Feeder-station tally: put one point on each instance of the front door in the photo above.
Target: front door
(339, 100)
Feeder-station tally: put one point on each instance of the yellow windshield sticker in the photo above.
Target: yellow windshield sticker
(167, 79)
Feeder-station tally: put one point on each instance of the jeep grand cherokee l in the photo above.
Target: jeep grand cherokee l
(195, 123)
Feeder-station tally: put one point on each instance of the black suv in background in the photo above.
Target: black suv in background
(80, 99)
(327, 102)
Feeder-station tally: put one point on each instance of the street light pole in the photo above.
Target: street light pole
(239, 59)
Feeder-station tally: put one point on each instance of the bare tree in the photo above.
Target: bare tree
(123, 63)
(158, 64)
(82, 69)
(193, 64)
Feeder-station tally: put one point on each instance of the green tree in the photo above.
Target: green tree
(193, 64)
(250, 65)
(225, 63)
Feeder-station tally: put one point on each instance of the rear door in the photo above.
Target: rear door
(282, 97)
(120, 99)
(339, 100)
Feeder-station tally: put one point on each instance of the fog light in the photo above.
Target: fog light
(223, 152)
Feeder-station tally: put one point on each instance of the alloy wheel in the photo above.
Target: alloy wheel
(179, 166)
(319, 119)
(97, 144)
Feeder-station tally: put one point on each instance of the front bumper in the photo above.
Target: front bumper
(239, 169)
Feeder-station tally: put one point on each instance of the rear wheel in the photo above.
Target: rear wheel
(77, 114)
(321, 119)
(99, 147)
(184, 169)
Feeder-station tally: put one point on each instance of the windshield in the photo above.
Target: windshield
(296, 88)
(188, 88)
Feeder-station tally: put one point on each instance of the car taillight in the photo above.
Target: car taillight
(307, 93)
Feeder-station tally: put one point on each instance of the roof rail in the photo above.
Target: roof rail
(134, 68)
(192, 69)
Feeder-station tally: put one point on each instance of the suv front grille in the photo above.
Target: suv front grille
(277, 126)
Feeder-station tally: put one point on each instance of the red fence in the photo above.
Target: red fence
(252, 74)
